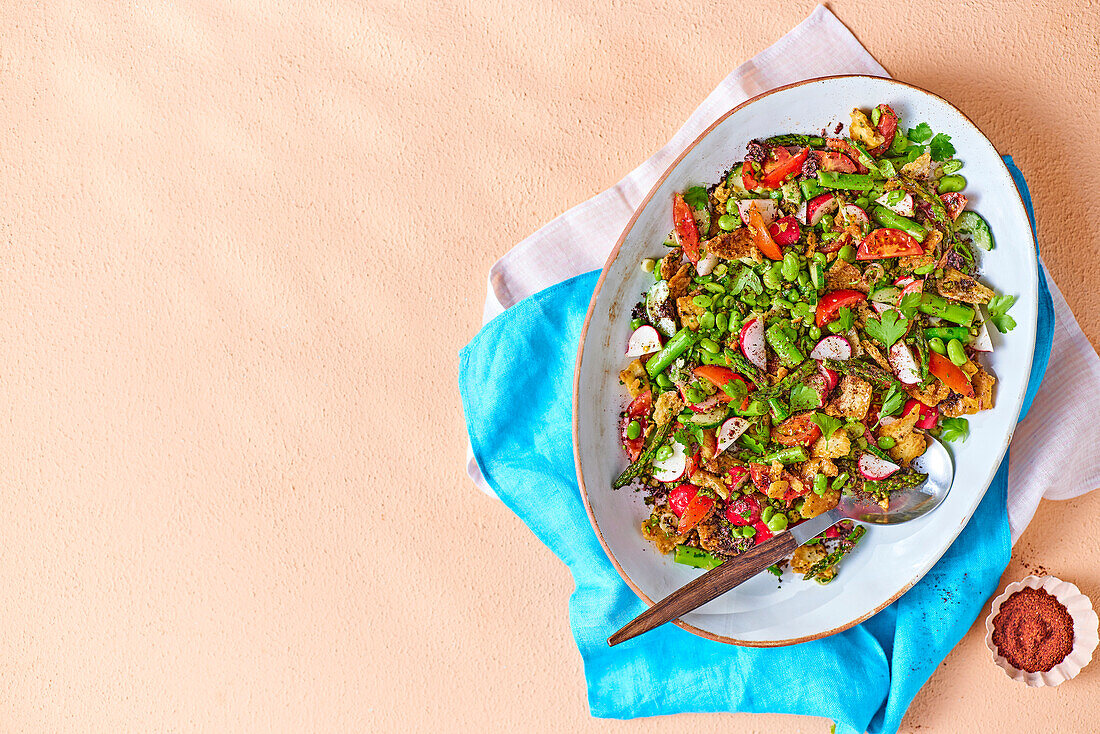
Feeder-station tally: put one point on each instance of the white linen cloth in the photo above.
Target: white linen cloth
(1047, 460)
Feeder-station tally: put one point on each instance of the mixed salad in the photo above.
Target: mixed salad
(816, 314)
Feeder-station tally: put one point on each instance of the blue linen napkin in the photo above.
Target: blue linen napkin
(516, 380)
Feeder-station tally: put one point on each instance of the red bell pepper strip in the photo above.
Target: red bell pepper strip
(833, 301)
(687, 234)
(949, 374)
(760, 235)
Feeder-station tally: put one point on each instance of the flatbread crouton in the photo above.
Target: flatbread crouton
(733, 245)
(853, 398)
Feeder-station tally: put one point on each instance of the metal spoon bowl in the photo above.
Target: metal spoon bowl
(905, 505)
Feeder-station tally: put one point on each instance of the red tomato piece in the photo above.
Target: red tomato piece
(832, 160)
(762, 532)
(928, 413)
(884, 243)
(785, 231)
(743, 511)
(761, 478)
(748, 177)
(720, 377)
(843, 146)
(680, 497)
(832, 532)
(640, 405)
(687, 234)
(737, 477)
(783, 166)
(887, 127)
(696, 510)
(798, 430)
(949, 374)
(833, 301)
(637, 410)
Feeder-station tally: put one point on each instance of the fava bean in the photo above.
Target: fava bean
(886, 443)
(729, 222)
(766, 514)
(721, 321)
(847, 253)
(951, 166)
(951, 183)
(778, 523)
(663, 453)
(789, 268)
(707, 320)
(664, 381)
(636, 324)
(710, 345)
(936, 345)
(955, 353)
(717, 288)
(748, 531)
(702, 301)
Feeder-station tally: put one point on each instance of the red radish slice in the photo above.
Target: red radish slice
(832, 347)
(730, 431)
(802, 213)
(708, 404)
(645, 340)
(672, 468)
(881, 308)
(707, 263)
(851, 213)
(819, 206)
(904, 206)
(831, 378)
(909, 285)
(901, 359)
(752, 343)
(872, 467)
(767, 208)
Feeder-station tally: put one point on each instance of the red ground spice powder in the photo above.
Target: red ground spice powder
(1033, 630)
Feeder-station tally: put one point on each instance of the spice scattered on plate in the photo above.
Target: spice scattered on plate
(1033, 631)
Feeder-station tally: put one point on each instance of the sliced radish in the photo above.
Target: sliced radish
(730, 431)
(832, 347)
(707, 263)
(672, 468)
(872, 467)
(907, 286)
(655, 301)
(880, 308)
(767, 208)
(852, 214)
(819, 383)
(819, 206)
(901, 359)
(903, 206)
(707, 405)
(801, 214)
(831, 378)
(752, 343)
(645, 340)
(982, 342)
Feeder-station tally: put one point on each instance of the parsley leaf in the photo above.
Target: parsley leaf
(887, 328)
(697, 198)
(776, 570)
(941, 147)
(894, 400)
(736, 390)
(920, 133)
(843, 320)
(909, 304)
(804, 397)
(954, 429)
(827, 424)
(747, 279)
(998, 315)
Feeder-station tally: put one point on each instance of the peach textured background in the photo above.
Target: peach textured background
(242, 246)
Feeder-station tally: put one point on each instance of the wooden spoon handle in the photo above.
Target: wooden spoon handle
(710, 585)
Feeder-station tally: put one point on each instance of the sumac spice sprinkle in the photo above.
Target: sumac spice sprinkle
(1033, 630)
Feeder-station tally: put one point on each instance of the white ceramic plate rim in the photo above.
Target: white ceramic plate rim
(950, 533)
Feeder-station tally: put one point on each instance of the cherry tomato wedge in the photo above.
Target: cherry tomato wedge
(696, 510)
(748, 177)
(762, 532)
(884, 243)
(637, 410)
(760, 236)
(679, 498)
(783, 165)
(832, 160)
(687, 234)
(949, 374)
(785, 231)
(954, 202)
(798, 430)
(887, 126)
(761, 478)
(743, 511)
(737, 477)
(833, 301)
(720, 377)
(843, 146)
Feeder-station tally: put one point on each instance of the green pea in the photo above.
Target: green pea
(789, 268)
(955, 353)
(815, 333)
(728, 222)
(633, 430)
(778, 523)
(748, 531)
(951, 183)
(715, 288)
(702, 301)
(936, 345)
(664, 453)
(636, 324)
(766, 514)
(694, 395)
(924, 269)
(706, 321)
(664, 381)
(711, 346)
(847, 253)
(951, 166)
(721, 321)
(886, 443)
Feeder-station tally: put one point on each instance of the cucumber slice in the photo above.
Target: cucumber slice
(976, 228)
